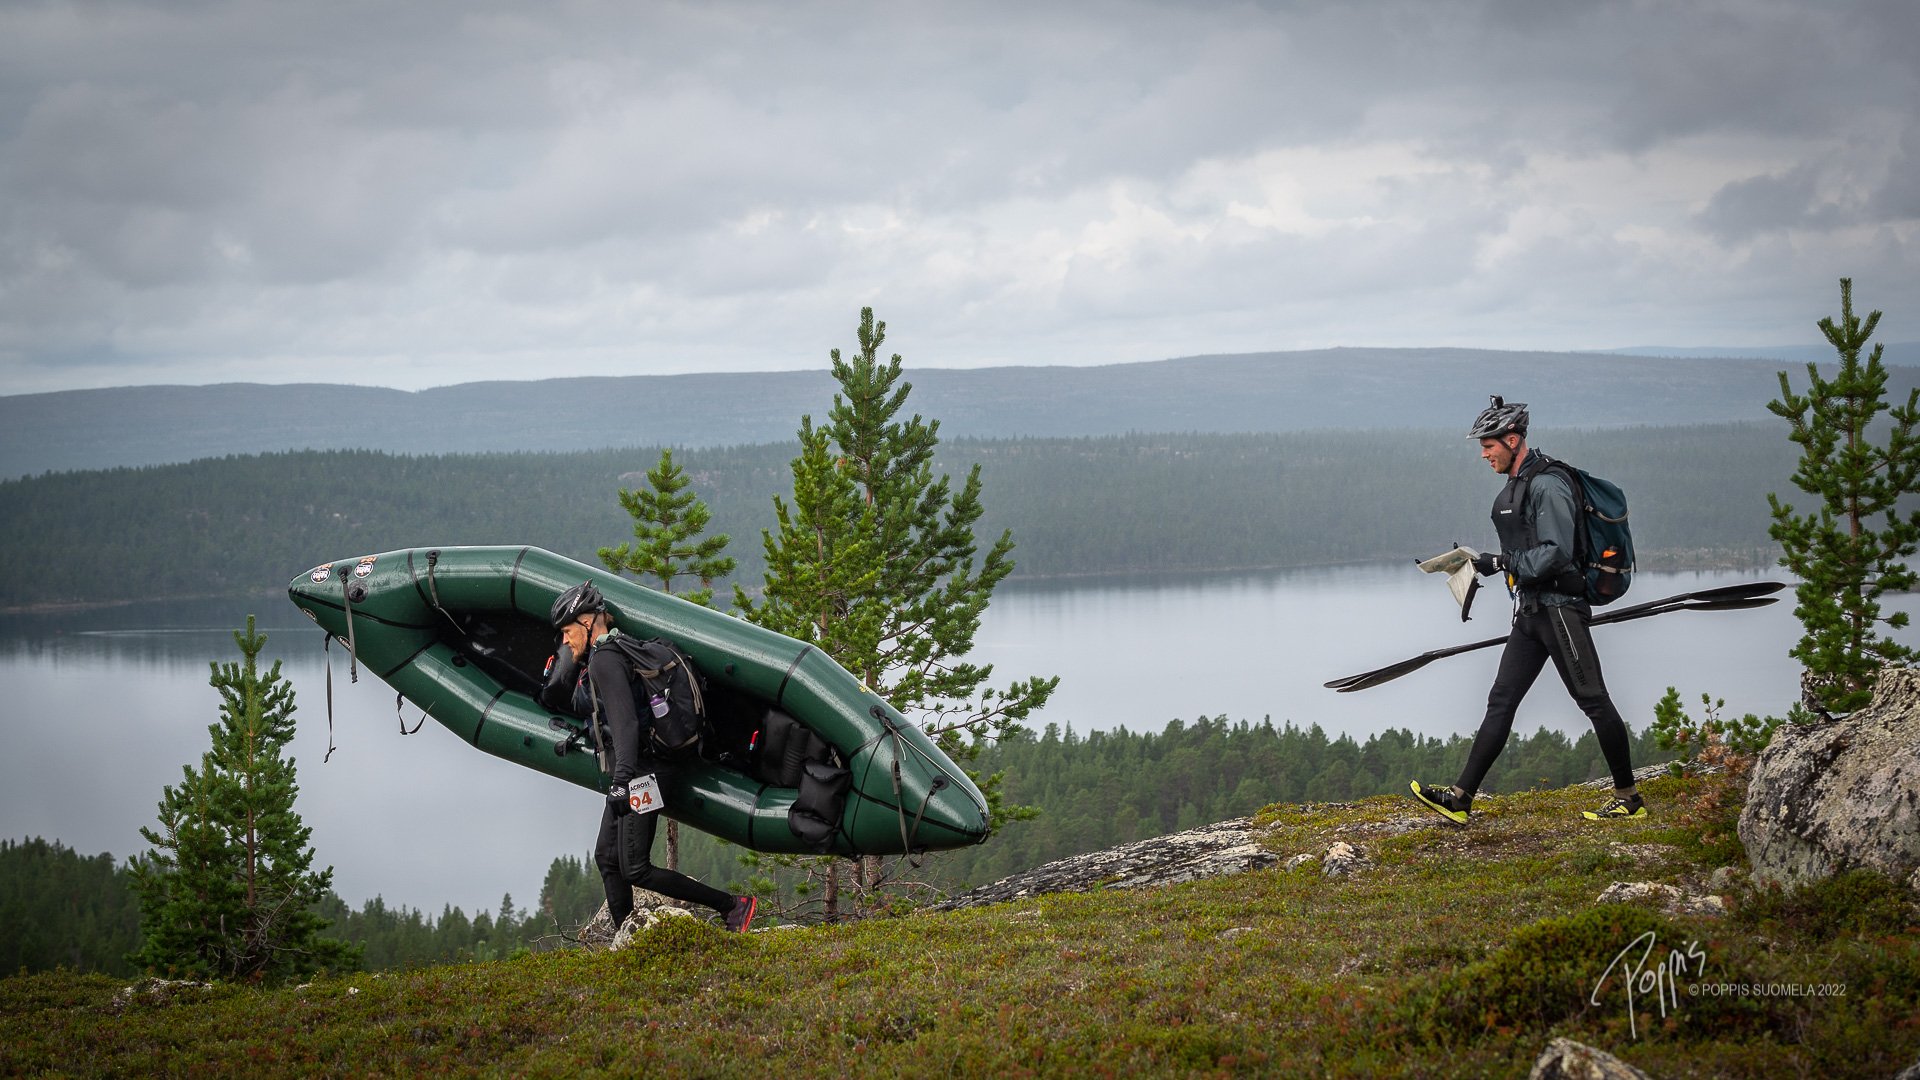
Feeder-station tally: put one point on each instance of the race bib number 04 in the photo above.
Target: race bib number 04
(643, 794)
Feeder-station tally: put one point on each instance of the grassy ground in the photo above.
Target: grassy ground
(1459, 952)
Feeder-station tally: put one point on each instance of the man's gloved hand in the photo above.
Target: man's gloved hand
(1488, 564)
(617, 798)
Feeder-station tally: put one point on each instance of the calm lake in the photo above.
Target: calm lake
(102, 709)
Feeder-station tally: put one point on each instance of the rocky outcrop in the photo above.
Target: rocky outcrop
(1228, 847)
(600, 933)
(1668, 898)
(154, 990)
(1654, 772)
(1343, 858)
(644, 919)
(1565, 1059)
(1842, 794)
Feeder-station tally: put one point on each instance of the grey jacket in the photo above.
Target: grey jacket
(1551, 509)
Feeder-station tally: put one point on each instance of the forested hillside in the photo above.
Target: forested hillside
(245, 525)
(1378, 389)
(61, 909)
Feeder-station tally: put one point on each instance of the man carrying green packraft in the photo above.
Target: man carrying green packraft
(1536, 515)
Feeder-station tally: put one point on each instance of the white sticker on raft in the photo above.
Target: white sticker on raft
(365, 567)
(643, 794)
(319, 575)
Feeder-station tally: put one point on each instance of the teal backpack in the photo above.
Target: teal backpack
(1603, 544)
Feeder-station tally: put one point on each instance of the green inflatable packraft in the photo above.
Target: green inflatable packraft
(462, 633)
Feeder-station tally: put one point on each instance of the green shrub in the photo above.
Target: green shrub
(1544, 975)
(1674, 729)
(1851, 903)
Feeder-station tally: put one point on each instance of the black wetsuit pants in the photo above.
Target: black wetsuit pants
(1561, 634)
(624, 854)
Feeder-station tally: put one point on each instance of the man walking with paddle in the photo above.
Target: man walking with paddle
(1535, 515)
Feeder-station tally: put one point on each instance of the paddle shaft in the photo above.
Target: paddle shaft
(1722, 598)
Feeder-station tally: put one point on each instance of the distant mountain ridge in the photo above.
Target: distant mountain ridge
(1905, 353)
(1245, 393)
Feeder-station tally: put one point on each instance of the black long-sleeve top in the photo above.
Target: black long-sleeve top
(611, 676)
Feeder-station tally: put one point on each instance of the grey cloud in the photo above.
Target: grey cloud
(1898, 197)
(1757, 204)
(359, 178)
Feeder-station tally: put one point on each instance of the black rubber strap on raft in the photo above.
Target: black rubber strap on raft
(791, 668)
(513, 581)
(397, 699)
(484, 713)
(754, 815)
(388, 675)
(328, 649)
(433, 590)
(935, 783)
(346, 598)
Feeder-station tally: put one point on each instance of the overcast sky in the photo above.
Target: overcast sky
(414, 194)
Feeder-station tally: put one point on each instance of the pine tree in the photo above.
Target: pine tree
(228, 890)
(1854, 547)
(875, 562)
(668, 521)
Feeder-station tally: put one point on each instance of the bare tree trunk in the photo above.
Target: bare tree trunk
(673, 844)
(869, 880)
(830, 895)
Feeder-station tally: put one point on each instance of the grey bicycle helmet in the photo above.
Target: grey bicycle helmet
(1500, 418)
(582, 599)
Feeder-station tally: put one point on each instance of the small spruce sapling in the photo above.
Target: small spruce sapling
(1856, 545)
(228, 890)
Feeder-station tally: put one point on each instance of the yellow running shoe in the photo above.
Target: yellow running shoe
(1444, 802)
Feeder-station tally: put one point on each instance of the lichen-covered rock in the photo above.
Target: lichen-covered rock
(1840, 795)
(1564, 1059)
(1342, 858)
(1668, 898)
(599, 933)
(154, 990)
(1228, 847)
(644, 919)
(1654, 772)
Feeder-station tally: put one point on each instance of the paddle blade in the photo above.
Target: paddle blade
(1394, 671)
(1732, 605)
(1736, 604)
(1374, 678)
(1742, 591)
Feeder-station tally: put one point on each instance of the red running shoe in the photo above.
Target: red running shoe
(741, 915)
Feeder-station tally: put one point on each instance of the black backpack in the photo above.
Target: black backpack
(670, 692)
(1602, 542)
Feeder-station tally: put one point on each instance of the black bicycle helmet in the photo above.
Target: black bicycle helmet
(582, 599)
(1500, 418)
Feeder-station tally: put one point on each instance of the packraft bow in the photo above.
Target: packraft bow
(462, 633)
